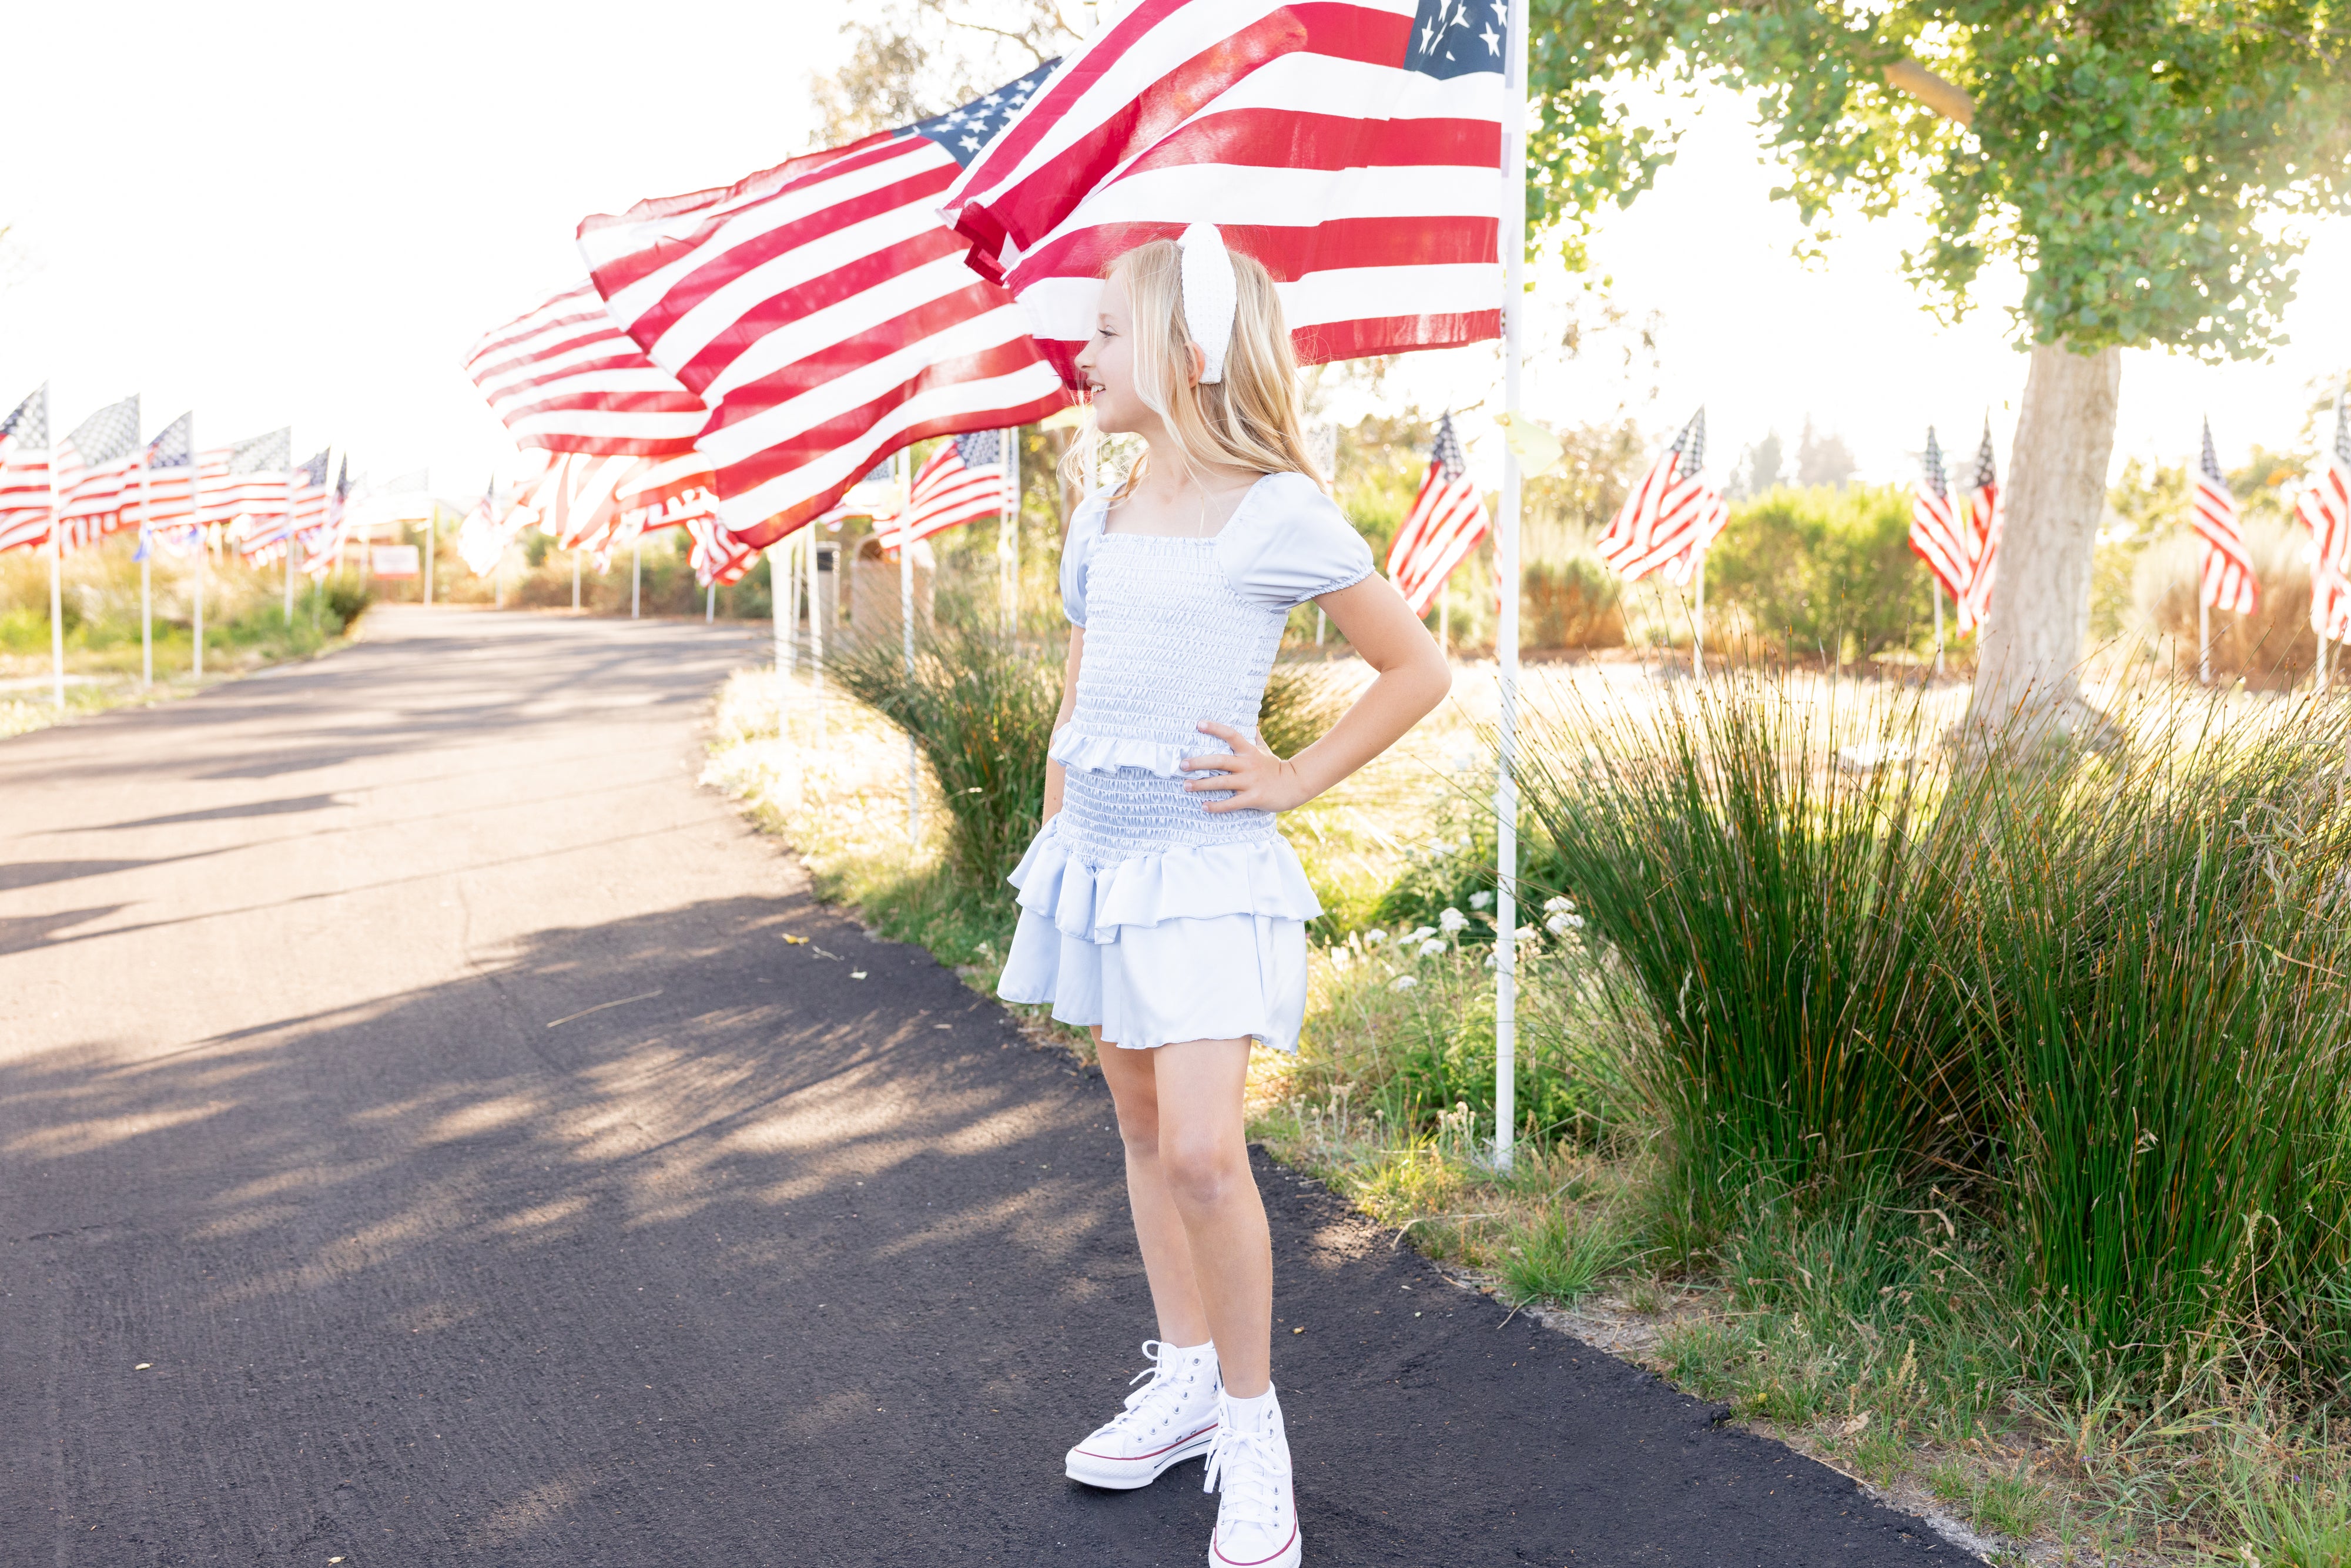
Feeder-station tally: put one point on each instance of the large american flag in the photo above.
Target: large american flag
(1936, 534)
(1981, 512)
(98, 476)
(2228, 567)
(1354, 146)
(824, 313)
(25, 503)
(1447, 520)
(564, 379)
(962, 479)
(2324, 508)
(1671, 516)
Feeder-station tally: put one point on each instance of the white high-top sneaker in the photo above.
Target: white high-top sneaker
(1169, 1420)
(1257, 1518)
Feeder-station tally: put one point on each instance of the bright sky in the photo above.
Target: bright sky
(304, 215)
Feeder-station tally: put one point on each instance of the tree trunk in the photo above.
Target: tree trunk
(2028, 664)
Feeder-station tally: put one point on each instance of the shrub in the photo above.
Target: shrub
(347, 599)
(1571, 603)
(1301, 701)
(2272, 647)
(1825, 572)
(980, 707)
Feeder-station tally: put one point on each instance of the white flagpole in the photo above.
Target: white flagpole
(787, 590)
(1008, 539)
(57, 571)
(904, 462)
(146, 576)
(2203, 633)
(636, 573)
(575, 577)
(433, 532)
(289, 543)
(1513, 239)
(1935, 587)
(204, 541)
(816, 627)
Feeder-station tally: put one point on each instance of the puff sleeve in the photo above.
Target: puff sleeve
(1077, 553)
(1288, 543)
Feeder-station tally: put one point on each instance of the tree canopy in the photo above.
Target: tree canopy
(2152, 168)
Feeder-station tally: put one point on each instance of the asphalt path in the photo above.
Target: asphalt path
(419, 1146)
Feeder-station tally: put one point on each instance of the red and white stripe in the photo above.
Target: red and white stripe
(2324, 508)
(2227, 574)
(25, 503)
(946, 492)
(1671, 516)
(1937, 537)
(1369, 190)
(825, 317)
(565, 379)
(716, 554)
(93, 502)
(1447, 520)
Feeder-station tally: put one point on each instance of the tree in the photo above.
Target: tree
(2154, 168)
(921, 58)
(1823, 457)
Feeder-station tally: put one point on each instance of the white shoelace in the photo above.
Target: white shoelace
(1252, 1468)
(1162, 1356)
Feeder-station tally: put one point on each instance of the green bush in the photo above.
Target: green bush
(1301, 701)
(1571, 603)
(346, 599)
(980, 707)
(1823, 573)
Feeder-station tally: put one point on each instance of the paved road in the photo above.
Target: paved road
(418, 1146)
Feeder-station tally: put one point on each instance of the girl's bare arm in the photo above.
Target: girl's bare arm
(1412, 679)
(1054, 774)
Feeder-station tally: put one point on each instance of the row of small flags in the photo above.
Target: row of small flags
(1957, 533)
(101, 479)
(753, 351)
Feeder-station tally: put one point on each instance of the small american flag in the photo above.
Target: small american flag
(1672, 514)
(962, 479)
(1447, 520)
(564, 379)
(98, 474)
(2324, 508)
(718, 555)
(25, 499)
(1936, 534)
(1982, 514)
(251, 492)
(1353, 147)
(2228, 568)
(822, 312)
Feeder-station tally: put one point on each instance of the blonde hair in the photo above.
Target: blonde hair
(1251, 418)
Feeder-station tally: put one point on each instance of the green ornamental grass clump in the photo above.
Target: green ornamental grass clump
(2089, 1010)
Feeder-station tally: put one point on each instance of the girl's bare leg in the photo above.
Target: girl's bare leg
(1158, 1226)
(1203, 1161)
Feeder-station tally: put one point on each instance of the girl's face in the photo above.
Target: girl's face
(1106, 367)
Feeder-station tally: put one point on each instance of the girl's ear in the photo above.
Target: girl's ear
(1196, 360)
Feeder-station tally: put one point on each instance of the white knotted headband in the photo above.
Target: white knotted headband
(1211, 296)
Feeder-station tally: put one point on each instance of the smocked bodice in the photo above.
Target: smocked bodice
(1179, 630)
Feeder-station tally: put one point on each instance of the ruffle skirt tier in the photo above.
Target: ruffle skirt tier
(1205, 942)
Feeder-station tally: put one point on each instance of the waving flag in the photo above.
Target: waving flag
(2228, 582)
(718, 555)
(25, 502)
(2324, 508)
(564, 379)
(252, 493)
(1982, 514)
(964, 479)
(1672, 514)
(98, 476)
(167, 489)
(1937, 537)
(1447, 520)
(822, 312)
(1354, 146)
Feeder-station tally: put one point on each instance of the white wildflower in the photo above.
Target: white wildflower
(1452, 920)
(1431, 948)
(1402, 983)
(1418, 934)
(1558, 905)
(1374, 936)
(1481, 900)
(1560, 925)
(1340, 958)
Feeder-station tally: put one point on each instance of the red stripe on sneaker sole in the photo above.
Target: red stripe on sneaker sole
(1217, 1553)
(1138, 1458)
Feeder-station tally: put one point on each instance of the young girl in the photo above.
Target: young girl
(1158, 904)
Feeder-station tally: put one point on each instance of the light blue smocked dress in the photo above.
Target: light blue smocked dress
(1140, 911)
